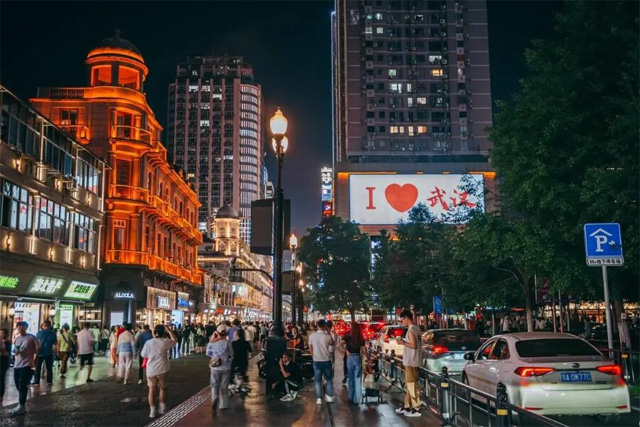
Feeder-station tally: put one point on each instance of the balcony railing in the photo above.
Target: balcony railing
(132, 133)
(141, 194)
(153, 262)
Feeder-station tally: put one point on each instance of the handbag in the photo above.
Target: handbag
(214, 362)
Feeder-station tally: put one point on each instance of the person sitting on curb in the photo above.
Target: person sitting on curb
(290, 380)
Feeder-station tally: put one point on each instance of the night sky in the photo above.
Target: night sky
(288, 44)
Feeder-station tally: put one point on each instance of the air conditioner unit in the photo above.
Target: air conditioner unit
(71, 186)
(443, 21)
(445, 62)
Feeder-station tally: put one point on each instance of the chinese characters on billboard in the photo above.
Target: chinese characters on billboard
(387, 199)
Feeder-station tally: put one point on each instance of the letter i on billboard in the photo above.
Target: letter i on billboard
(387, 199)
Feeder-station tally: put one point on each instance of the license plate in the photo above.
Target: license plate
(575, 377)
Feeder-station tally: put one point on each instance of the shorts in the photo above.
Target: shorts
(86, 359)
(157, 380)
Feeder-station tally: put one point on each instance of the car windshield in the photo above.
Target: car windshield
(453, 336)
(555, 347)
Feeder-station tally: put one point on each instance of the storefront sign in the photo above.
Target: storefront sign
(183, 301)
(124, 295)
(81, 290)
(8, 282)
(45, 285)
(163, 302)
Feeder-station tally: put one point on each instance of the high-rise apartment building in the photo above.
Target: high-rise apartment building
(411, 89)
(215, 133)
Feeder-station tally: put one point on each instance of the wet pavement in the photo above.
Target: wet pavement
(260, 410)
(72, 402)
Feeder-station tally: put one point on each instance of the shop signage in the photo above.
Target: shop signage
(45, 285)
(81, 290)
(124, 295)
(183, 301)
(163, 302)
(8, 282)
(66, 314)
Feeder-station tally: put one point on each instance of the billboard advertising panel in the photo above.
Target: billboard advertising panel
(387, 199)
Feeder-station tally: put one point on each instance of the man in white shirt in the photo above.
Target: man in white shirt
(156, 351)
(411, 360)
(85, 349)
(320, 344)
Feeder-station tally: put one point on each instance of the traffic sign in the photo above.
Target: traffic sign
(603, 244)
(437, 304)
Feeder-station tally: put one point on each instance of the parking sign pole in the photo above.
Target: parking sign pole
(607, 303)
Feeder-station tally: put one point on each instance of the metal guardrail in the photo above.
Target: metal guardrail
(458, 404)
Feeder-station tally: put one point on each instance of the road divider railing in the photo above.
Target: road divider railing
(456, 403)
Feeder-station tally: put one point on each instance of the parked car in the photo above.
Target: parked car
(386, 341)
(550, 374)
(446, 348)
(370, 329)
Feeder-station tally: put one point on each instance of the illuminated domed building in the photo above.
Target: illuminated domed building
(150, 238)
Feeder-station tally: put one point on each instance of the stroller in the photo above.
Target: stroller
(370, 379)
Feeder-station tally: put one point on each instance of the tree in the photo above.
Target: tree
(337, 257)
(566, 147)
(413, 267)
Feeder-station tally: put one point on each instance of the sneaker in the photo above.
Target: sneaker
(319, 401)
(402, 410)
(413, 413)
(152, 413)
(286, 398)
(294, 394)
(329, 399)
(89, 380)
(139, 381)
(125, 382)
(19, 410)
(163, 409)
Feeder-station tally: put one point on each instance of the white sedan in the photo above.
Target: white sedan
(549, 374)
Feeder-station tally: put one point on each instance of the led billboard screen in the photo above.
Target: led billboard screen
(387, 199)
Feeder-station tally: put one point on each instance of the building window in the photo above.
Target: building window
(393, 129)
(437, 72)
(395, 87)
(128, 77)
(368, 30)
(422, 129)
(409, 102)
(68, 117)
(392, 72)
(378, 16)
(122, 172)
(88, 172)
(193, 88)
(421, 101)
(58, 151)
(379, 30)
(19, 126)
(52, 223)
(101, 75)
(15, 207)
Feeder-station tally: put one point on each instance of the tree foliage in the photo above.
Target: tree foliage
(566, 146)
(336, 255)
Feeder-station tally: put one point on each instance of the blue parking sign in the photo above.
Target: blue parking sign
(603, 244)
(437, 304)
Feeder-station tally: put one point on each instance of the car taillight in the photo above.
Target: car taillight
(532, 371)
(439, 349)
(610, 369)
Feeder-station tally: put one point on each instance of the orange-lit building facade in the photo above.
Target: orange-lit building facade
(150, 238)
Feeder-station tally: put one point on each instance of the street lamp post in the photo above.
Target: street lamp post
(293, 244)
(280, 142)
(301, 303)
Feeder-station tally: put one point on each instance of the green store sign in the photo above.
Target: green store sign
(8, 282)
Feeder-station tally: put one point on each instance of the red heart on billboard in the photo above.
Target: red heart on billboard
(401, 198)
